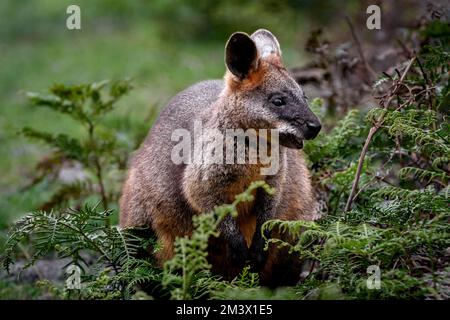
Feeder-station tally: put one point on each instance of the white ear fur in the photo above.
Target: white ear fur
(266, 43)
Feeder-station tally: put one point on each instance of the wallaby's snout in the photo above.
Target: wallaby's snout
(312, 127)
(298, 123)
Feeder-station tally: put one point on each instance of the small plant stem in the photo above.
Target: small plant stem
(99, 173)
(28, 258)
(426, 87)
(98, 168)
(362, 156)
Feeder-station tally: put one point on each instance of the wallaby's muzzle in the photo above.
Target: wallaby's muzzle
(303, 125)
(312, 129)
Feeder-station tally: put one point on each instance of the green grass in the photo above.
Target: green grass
(20, 291)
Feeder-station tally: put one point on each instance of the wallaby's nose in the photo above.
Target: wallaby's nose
(313, 128)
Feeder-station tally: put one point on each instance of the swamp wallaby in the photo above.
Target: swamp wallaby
(257, 93)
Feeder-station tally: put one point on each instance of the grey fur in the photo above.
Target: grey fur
(166, 196)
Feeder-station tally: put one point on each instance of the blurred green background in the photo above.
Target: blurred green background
(164, 46)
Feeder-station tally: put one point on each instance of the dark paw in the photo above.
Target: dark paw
(238, 252)
(257, 255)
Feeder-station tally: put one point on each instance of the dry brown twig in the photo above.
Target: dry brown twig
(359, 48)
(372, 131)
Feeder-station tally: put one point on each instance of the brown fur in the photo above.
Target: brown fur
(166, 196)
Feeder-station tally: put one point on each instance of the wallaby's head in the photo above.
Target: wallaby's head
(262, 91)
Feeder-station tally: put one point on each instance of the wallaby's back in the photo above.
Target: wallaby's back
(154, 182)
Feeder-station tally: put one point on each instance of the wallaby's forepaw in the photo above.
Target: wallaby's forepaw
(238, 251)
(257, 255)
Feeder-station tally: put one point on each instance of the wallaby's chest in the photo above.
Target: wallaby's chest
(246, 218)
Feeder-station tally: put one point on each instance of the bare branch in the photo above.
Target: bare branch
(372, 132)
(359, 48)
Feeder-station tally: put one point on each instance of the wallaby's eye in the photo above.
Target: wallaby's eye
(278, 102)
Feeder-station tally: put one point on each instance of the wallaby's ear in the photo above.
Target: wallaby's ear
(266, 43)
(241, 54)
